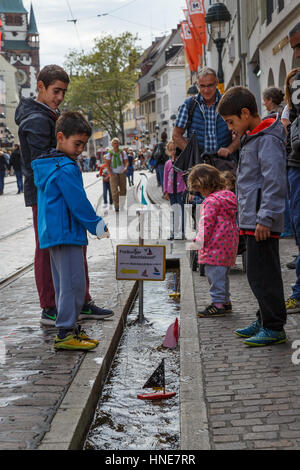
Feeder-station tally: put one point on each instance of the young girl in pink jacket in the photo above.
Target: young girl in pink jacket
(218, 235)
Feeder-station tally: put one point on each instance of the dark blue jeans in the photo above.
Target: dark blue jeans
(106, 189)
(294, 184)
(19, 180)
(2, 174)
(160, 170)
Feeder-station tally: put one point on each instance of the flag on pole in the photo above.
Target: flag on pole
(197, 40)
(157, 379)
(197, 16)
(187, 39)
(0, 33)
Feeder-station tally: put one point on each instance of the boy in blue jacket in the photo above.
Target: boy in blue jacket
(261, 190)
(64, 215)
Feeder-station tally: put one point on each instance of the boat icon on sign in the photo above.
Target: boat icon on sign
(144, 274)
(156, 272)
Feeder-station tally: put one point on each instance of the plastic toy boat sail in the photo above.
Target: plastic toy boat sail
(172, 336)
(157, 382)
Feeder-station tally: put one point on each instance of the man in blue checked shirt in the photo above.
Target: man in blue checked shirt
(211, 130)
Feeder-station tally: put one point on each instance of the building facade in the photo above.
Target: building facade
(170, 90)
(20, 43)
(257, 53)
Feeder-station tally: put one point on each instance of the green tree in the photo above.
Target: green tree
(103, 81)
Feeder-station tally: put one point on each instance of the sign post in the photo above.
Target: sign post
(141, 263)
(141, 283)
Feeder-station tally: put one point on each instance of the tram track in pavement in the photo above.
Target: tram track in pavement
(6, 281)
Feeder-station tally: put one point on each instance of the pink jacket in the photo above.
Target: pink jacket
(218, 231)
(168, 179)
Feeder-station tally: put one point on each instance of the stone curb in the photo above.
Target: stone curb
(73, 418)
(193, 412)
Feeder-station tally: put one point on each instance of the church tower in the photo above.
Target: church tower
(20, 43)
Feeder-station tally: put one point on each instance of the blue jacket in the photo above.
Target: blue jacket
(64, 211)
(198, 125)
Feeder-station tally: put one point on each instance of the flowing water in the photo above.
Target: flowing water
(122, 421)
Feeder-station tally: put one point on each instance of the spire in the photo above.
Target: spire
(32, 28)
(12, 6)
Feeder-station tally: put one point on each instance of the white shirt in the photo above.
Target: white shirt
(120, 168)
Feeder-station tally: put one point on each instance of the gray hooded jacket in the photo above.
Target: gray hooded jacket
(261, 177)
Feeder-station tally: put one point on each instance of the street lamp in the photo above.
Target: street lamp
(157, 131)
(218, 17)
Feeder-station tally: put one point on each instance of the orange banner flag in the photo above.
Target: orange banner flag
(197, 39)
(197, 16)
(188, 42)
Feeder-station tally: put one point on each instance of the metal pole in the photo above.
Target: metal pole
(141, 283)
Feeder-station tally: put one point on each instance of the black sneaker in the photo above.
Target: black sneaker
(292, 264)
(48, 317)
(91, 311)
(212, 311)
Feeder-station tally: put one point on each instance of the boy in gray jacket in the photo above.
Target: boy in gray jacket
(261, 189)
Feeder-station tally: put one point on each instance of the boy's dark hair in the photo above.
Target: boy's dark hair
(52, 73)
(73, 123)
(235, 99)
(296, 29)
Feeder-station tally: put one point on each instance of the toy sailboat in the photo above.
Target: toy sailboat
(175, 294)
(172, 336)
(157, 382)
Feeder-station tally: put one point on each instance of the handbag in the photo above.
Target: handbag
(221, 163)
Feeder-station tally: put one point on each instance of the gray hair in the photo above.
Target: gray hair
(206, 71)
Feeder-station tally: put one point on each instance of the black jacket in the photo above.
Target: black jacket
(3, 163)
(15, 160)
(37, 135)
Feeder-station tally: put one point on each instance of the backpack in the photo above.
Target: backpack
(159, 153)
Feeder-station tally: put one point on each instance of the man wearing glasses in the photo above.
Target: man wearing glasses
(211, 130)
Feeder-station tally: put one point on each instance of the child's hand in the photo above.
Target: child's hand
(166, 196)
(262, 233)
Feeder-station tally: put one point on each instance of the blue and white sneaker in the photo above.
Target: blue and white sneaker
(266, 337)
(249, 331)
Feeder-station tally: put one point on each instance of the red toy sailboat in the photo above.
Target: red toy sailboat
(172, 336)
(157, 382)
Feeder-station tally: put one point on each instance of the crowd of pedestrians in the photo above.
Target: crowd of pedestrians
(10, 163)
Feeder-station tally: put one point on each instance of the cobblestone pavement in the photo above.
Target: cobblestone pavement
(252, 394)
(33, 377)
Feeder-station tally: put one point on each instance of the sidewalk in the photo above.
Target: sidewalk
(252, 395)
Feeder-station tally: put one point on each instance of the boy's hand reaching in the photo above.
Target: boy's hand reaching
(262, 233)
(102, 230)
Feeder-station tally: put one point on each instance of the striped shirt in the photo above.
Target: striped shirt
(210, 115)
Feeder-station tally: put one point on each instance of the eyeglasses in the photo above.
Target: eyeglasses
(210, 85)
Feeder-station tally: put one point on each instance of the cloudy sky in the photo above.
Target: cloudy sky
(147, 18)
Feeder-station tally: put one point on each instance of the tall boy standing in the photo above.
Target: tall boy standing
(36, 119)
(261, 190)
(64, 216)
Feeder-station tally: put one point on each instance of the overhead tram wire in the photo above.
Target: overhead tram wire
(100, 15)
(73, 20)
